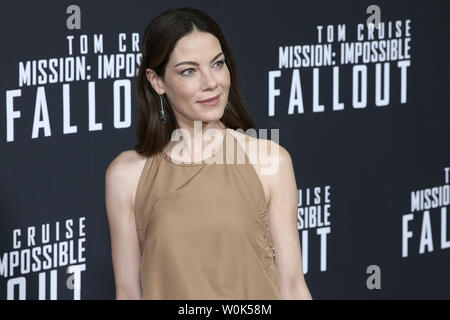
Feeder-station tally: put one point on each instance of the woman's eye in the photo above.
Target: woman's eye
(187, 72)
(220, 63)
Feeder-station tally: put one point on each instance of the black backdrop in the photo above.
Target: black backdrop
(367, 167)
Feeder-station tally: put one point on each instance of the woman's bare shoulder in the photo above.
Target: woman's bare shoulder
(124, 171)
(127, 160)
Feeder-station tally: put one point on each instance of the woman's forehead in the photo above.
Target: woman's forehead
(196, 46)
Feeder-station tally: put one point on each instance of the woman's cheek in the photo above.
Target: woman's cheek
(187, 90)
(227, 77)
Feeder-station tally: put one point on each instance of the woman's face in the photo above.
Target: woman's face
(196, 71)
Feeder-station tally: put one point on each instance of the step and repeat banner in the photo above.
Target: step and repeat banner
(360, 94)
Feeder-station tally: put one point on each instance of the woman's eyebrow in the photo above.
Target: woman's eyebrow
(195, 63)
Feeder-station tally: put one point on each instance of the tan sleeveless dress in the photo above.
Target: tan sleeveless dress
(203, 229)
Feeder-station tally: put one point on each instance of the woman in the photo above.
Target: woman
(183, 226)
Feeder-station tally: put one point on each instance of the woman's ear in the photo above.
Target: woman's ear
(155, 81)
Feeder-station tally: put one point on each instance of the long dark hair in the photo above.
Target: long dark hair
(159, 40)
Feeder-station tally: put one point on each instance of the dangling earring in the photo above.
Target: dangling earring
(163, 119)
(227, 105)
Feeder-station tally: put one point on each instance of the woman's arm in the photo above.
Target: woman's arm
(283, 225)
(125, 250)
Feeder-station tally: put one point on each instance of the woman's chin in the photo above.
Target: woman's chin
(212, 116)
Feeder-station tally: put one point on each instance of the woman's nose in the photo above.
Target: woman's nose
(208, 81)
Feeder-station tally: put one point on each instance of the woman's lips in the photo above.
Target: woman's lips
(211, 102)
